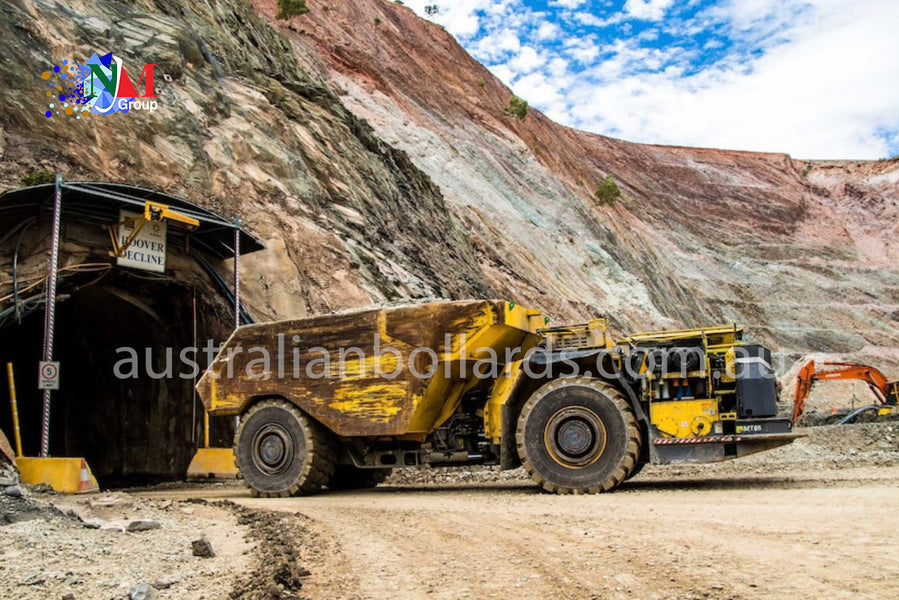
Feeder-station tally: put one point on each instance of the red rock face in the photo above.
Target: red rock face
(801, 252)
(444, 195)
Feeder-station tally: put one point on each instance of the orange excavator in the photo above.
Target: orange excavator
(887, 392)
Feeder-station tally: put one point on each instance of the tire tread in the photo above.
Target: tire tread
(320, 448)
(629, 460)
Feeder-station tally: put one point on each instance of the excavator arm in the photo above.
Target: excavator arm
(887, 392)
(804, 382)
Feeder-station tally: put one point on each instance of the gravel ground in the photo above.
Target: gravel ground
(118, 546)
(827, 447)
(384, 542)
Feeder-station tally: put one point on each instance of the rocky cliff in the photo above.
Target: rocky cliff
(373, 157)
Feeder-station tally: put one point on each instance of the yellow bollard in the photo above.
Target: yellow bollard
(15, 408)
(211, 463)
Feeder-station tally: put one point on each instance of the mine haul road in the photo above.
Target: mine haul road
(675, 532)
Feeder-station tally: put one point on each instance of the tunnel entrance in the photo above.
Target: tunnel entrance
(135, 421)
(132, 430)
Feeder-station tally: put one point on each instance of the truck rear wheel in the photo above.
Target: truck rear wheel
(282, 452)
(348, 477)
(578, 435)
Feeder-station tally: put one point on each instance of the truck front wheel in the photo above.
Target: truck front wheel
(282, 452)
(578, 435)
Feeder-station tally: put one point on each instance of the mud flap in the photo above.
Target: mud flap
(509, 458)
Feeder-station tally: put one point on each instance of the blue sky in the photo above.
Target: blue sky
(813, 78)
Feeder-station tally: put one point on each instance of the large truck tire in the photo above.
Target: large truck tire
(348, 477)
(282, 452)
(635, 471)
(578, 435)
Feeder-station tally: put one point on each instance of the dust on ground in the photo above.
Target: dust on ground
(807, 520)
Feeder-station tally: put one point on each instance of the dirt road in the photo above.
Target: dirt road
(683, 533)
(815, 519)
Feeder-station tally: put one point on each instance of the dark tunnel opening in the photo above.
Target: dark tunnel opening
(134, 430)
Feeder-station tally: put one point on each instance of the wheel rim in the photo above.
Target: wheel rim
(575, 437)
(272, 449)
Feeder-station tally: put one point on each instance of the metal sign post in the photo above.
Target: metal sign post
(236, 272)
(50, 309)
(236, 305)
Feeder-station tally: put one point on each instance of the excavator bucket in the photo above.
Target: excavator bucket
(893, 393)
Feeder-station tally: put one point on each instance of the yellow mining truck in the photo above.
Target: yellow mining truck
(338, 401)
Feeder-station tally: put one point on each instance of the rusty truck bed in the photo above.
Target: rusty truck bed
(363, 373)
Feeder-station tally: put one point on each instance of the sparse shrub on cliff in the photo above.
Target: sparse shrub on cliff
(608, 191)
(38, 177)
(291, 8)
(517, 108)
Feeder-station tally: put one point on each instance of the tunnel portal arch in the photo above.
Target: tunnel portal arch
(131, 430)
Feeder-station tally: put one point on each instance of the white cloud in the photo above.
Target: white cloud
(758, 15)
(496, 47)
(502, 72)
(591, 20)
(558, 68)
(462, 18)
(572, 4)
(583, 49)
(527, 60)
(815, 78)
(538, 89)
(548, 31)
(648, 10)
(826, 94)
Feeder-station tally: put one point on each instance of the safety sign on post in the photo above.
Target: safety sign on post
(49, 375)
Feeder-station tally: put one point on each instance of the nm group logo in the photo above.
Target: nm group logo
(100, 86)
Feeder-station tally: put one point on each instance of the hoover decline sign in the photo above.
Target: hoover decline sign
(147, 250)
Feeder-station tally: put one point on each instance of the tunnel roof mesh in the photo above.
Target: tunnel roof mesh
(100, 202)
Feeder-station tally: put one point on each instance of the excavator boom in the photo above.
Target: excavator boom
(887, 392)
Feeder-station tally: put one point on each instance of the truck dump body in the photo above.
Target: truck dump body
(384, 372)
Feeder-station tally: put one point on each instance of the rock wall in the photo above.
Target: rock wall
(803, 253)
(372, 156)
(348, 220)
